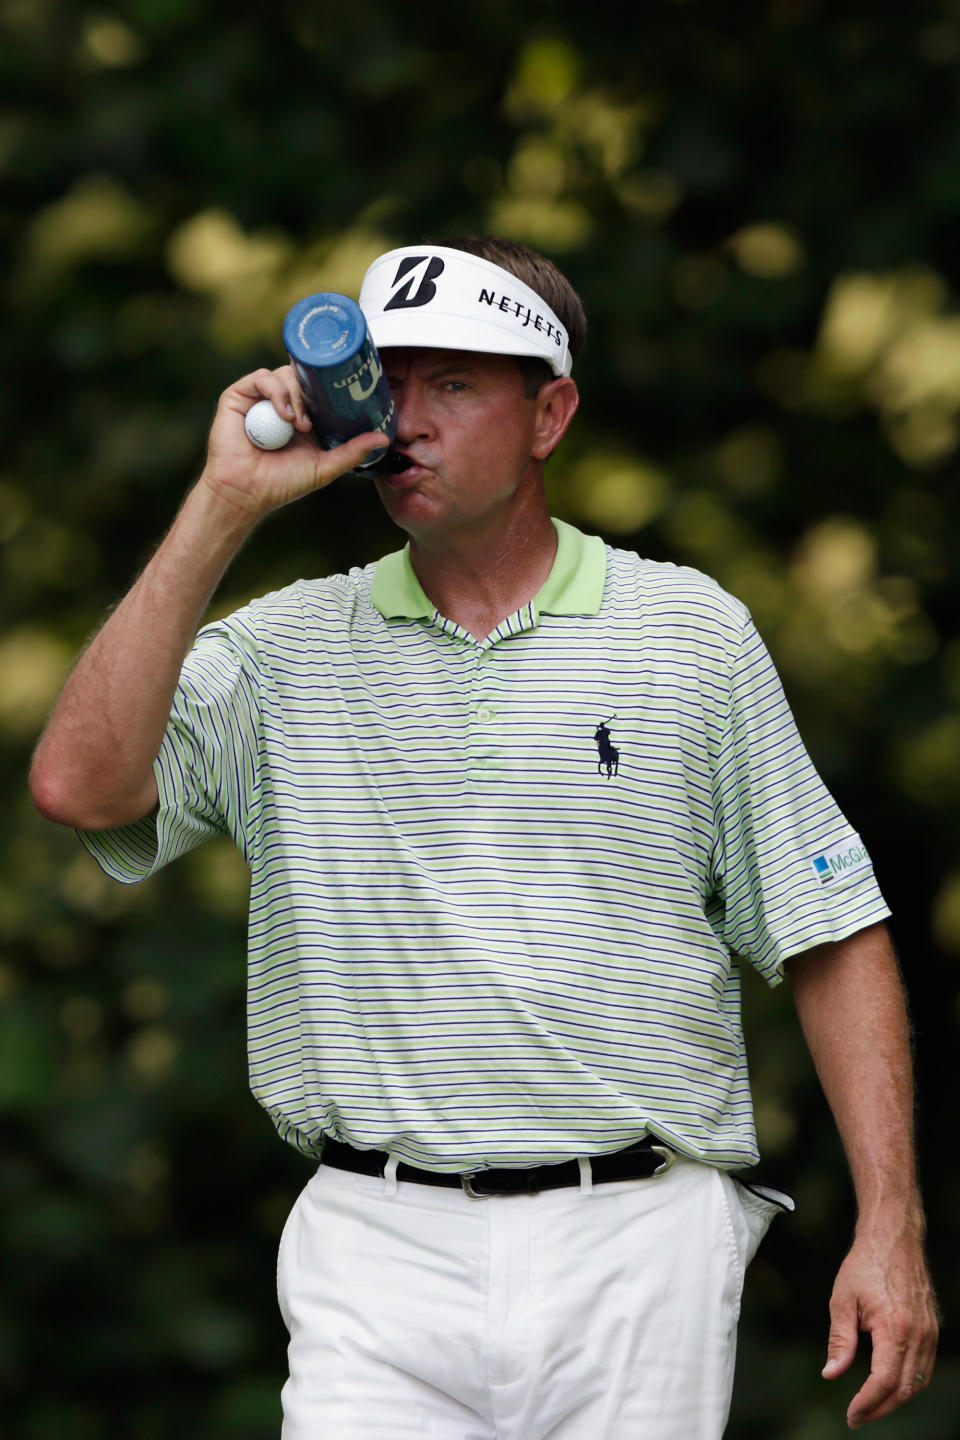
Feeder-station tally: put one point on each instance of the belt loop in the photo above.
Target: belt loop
(586, 1175)
(390, 1175)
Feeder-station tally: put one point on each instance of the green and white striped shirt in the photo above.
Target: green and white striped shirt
(499, 887)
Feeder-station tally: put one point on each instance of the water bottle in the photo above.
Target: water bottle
(344, 388)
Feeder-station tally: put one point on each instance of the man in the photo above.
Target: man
(511, 800)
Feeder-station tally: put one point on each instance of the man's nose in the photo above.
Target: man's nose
(414, 421)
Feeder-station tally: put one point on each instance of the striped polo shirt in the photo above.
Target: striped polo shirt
(500, 888)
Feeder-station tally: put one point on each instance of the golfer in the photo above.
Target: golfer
(516, 805)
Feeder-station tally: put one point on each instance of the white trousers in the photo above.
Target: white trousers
(603, 1313)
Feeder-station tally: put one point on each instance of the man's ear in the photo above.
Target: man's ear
(556, 404)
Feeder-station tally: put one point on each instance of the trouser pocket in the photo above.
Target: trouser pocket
(760, 1205)
(282, 1248)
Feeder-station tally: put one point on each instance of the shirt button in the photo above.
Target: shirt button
(484, 714)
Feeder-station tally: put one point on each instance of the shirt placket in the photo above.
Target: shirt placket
(485, 701)
(484, 717)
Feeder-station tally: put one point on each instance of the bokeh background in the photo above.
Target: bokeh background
(760, 204)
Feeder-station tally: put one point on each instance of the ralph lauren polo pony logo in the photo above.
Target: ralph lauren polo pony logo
(609, 761)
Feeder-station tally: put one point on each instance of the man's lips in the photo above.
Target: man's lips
(403, 471)
(395, 462)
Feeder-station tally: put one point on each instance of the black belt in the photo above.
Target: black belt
(648, 1157)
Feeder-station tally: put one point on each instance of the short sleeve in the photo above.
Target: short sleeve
(789, 871)
(207, 768)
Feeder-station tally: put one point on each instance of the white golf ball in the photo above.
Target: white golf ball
(266, 428)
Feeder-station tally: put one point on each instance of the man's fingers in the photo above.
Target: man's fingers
(842, 1340)
(353, 452)
(886, 1386)
(280, 387)
(296, 410)
(880, 1393)
(902, 1366)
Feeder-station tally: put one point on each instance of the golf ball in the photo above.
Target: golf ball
(266, 428)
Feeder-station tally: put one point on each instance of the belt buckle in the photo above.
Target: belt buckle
(669, 1156)
(467, 1179)
(466, 1182)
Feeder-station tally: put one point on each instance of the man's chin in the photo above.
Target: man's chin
(406, 501)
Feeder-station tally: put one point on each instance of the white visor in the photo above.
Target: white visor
(442, 299)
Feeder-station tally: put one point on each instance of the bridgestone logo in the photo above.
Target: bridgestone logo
(419, 270)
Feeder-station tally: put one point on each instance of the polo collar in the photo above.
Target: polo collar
(573, 587)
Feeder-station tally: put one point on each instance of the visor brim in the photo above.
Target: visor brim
(409, 327)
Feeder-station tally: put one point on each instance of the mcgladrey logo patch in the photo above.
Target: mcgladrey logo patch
(846, 858)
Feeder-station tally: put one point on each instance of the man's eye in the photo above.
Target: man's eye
(455, 385)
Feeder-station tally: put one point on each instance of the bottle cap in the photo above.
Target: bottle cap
(324, 329)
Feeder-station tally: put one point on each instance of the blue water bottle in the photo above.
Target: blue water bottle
(344, 388)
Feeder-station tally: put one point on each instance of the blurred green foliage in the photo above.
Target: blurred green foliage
(760, 204)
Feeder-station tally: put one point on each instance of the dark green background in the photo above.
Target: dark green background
(760, 205)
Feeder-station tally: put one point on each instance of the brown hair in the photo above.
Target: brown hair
(542, 276)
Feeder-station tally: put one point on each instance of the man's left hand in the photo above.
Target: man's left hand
(883, 1287)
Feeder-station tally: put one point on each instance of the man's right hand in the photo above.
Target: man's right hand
(254, 481)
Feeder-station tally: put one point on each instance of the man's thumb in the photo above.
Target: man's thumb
(842, 1341)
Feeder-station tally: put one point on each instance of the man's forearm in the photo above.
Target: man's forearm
(93, 766)
(851, 1006)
